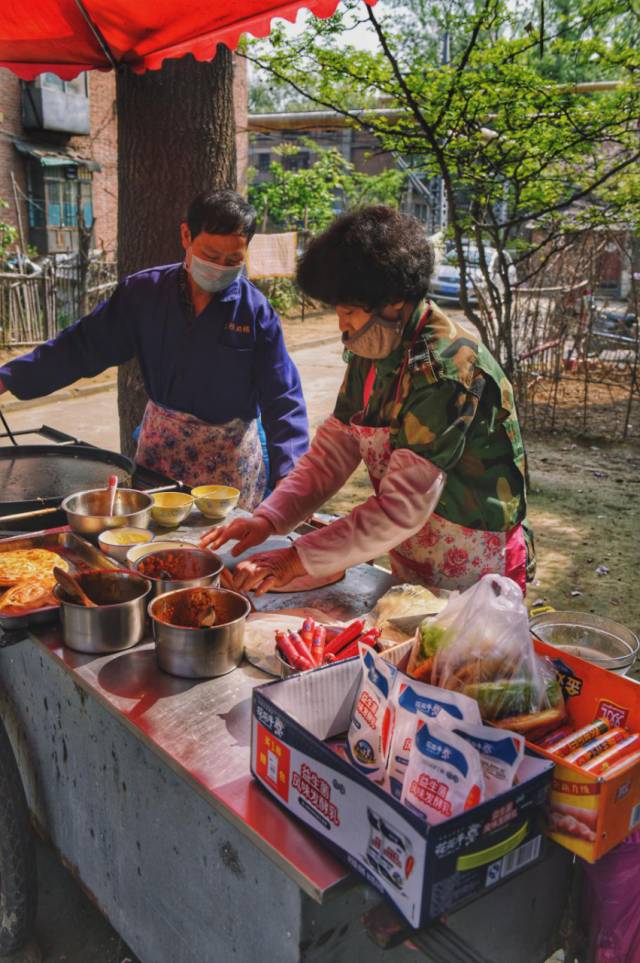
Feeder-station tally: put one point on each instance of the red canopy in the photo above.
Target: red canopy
(68, 36)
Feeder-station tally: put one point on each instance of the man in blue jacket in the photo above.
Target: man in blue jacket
(212, 356)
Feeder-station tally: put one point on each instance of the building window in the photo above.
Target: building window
(297, 162)
(264, 159)
(60, 200)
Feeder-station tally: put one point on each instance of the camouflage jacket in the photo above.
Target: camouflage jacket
(454, 406)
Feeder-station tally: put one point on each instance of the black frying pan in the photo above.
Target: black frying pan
(33, 477)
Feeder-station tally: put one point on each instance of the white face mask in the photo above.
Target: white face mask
(212, 277)
(376, 339)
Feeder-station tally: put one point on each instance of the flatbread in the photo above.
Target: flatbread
(28, 595)
(29, 564)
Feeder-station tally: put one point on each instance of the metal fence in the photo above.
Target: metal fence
(35, 307)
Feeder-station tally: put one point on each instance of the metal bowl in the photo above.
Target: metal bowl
(88, 512)
(159, 544)
(200, 568)
(117, 623)
(199, 653)
(596, 639)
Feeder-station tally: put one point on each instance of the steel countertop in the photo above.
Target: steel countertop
(202, 729)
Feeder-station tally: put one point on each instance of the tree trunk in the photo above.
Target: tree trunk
(176, 137)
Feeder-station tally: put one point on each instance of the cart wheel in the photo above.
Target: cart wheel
(18, 889)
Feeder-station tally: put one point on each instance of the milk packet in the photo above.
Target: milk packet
(444, 776)
(371, 720)
(410, 697)
(501, 753)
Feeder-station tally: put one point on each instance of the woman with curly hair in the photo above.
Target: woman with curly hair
(427, 408)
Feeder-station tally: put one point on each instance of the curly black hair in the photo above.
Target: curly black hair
(369, 257)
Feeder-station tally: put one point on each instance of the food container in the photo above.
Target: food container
(169, 509)
(599, 640)
(117, 542)
(88, 512)
(157, 545)
(118, 621)
(215, 501)
(199, 653)
(184, 568)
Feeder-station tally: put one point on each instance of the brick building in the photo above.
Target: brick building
(59, 141)
(326, 128)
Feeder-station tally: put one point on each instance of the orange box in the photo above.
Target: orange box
(591, 814)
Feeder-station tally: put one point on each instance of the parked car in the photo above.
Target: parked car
(445, 284)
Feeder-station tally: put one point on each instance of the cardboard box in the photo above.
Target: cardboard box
(595, 813)
(425, 870)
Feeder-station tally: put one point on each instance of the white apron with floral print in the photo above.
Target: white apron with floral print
(443, 554)
(194, 452)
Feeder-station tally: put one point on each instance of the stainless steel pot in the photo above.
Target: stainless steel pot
(203, 567)
(199, 653)
(113, 625)
(88, 512)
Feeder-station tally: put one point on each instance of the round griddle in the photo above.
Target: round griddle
(40, 476)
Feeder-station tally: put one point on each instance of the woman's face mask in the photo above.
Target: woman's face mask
(212, 277)
(376, 339)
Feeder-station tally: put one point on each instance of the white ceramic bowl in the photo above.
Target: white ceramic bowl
(112, 544)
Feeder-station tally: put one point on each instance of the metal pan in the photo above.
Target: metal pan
(80, 555)
(34, 477)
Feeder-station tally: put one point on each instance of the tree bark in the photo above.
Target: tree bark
(176, 137)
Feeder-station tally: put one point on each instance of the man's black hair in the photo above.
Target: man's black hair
(370, 257)
(221, 212)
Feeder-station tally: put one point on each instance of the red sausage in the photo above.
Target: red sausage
(343, 638)
(318, 642)
(306, 632)
(289, 652)
(301, 647)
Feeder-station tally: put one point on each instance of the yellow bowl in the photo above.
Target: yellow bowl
(215, 501)
(171, 508)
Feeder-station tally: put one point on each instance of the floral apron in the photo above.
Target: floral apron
(194, 452)
(442, 554)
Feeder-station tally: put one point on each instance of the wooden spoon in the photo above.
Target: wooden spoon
(72, 587)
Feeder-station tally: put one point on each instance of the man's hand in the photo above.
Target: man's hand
(268, 570)
(248, 532)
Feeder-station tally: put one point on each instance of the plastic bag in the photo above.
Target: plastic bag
(612, 910)
(480, 645)
(371, 726)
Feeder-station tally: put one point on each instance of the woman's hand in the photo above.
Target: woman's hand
(248, 532)
(268, 570)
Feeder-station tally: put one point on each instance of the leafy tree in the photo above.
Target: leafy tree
(512, 146)
(8, 236)
(310, 197)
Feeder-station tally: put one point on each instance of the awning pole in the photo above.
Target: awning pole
(104, 46)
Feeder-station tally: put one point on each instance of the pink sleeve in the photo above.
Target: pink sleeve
(409, 492)
(321, 472)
